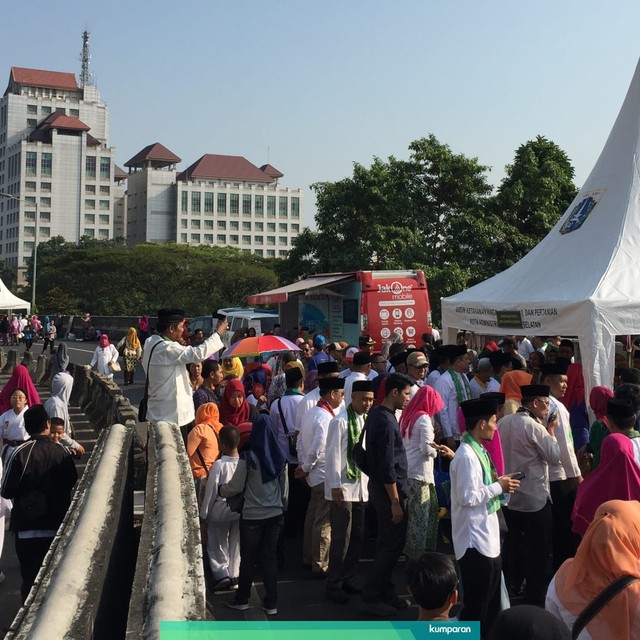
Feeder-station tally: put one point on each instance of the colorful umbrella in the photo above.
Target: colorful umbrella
(257, 345)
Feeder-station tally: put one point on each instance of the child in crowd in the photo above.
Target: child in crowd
(57, 433)
(223, 525)
(433, 583)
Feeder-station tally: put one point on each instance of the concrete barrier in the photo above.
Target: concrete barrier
(12, 361)
(78, 592)
(169, 580)
(41, 373)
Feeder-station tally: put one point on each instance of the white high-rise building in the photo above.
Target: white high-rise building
(56, 162)
(218, 200)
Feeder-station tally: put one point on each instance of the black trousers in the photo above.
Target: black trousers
(481, 588)
(389, 545)
(347, 532)
(31, 553)
(526, 551)
(565, 542)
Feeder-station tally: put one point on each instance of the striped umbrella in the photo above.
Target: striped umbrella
(257, 345)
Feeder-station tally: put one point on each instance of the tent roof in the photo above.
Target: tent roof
(588, 263)
(10, 301)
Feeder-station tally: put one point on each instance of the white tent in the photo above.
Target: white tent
(9, 302)
(583, 278)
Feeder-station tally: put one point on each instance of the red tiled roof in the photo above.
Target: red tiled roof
(51, 79)
(156, 152)
(58, 120)
(118, 173)
(270, 170)
(229, 167)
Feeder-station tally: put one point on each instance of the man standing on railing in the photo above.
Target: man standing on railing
(164, 361)
(38, 478)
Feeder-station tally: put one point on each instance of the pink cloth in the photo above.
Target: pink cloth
(427, 401)
(104, 340)
(493, 447)
(20, 379)
(574, 394)
(598, 401)
(616, 478)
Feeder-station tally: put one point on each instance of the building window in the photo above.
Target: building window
(90, 189)
(233, 225)
(185, 200)
(31, 163)
(295, 207)
(222, 203)
(105, 168)
(282, 240)
(104, 205)
(29, 231)
(105, 190)
(234, 204)
(103, 233)
(258, 239)
(295, 228)
(208, 224)
(271, 240)
(195, 224)
(45, 216)
(259, 226)
(27, 246)
(46, 111)
(29, 186)
(45, 186)
(259, 252)
(89, 218)
(222, 238)
(45, 164)
(74, 113)
(271, 206)
(195, 202)
(282, 253)
(103, 218)
(32, 108)
(233, 239)
(246, 239)
(259, 206)
(31, 122)
(246, 204)
(208, 237)
(271, 253)
(45, 231)
(184, 223)
(246, 226)
(89, 232)
(90, 165)
(183, 237)
(195, 237)
(89, 204)
(282, 227)
(282, 206)
(271, 226)
(208, 202)
(222, 224)
(45, 202)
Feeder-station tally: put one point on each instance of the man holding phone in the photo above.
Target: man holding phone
(164, 361)
(529, 447)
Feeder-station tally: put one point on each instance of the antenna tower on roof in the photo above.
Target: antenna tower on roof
(86, 79)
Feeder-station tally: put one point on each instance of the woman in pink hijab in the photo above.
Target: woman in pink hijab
(104, 354)
(616, 478)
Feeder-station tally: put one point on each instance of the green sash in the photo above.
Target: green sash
(460, 392)
(353, 433)
(489, 473)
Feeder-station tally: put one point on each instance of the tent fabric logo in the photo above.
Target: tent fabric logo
(581, 211)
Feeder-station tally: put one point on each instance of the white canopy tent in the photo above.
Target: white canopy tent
(9, 302)
(583, 278)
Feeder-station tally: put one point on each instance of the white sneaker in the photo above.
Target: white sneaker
(270, 611)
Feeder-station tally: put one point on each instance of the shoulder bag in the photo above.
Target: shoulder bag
(236, 503)
(291, 437)
(592, 609)
(142, 407)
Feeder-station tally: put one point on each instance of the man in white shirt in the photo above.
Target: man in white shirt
(440, 361)
(325, 370)
(311, 455)
(453, 387)
(564, 477)
(417, 365)
(345, 487)
(475, 500)
(480, 380)
(360, 370)
(525, 348)
(170, 394)
(621, 418)
(529, 447)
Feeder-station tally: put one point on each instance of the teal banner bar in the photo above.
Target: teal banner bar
(435, 630)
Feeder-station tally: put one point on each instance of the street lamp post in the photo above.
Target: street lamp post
(34, 255)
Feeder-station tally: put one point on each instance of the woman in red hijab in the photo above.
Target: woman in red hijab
(234, 408)
(598, 402)
(20, 379)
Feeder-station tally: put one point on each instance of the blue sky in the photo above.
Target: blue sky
(313, 87)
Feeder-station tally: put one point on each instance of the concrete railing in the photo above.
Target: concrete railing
(169, 580)
(78, 592)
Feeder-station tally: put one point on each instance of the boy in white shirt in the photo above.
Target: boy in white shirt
(223, 525)
(475, 500)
